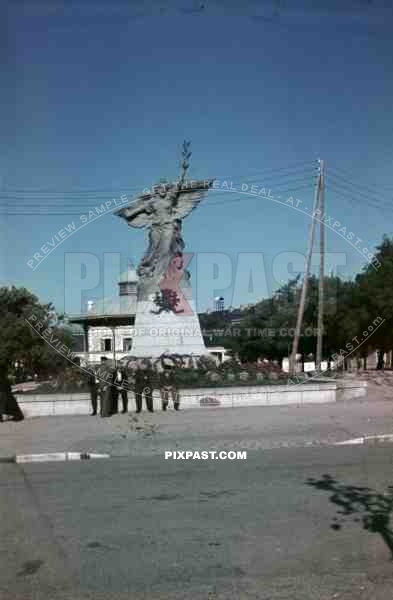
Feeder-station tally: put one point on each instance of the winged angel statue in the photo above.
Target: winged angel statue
(162, 211)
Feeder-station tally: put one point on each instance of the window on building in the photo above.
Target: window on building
(127, 344)
(106, 344)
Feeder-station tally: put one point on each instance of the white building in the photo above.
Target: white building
(106, 328)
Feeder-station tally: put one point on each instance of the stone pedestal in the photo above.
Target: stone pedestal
(158, 331)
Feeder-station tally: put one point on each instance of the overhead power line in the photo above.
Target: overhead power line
(252, 174)
(22, 203)
(43, 211)
(343, 173)
(215, 197)
(354, 199)
(363, 198)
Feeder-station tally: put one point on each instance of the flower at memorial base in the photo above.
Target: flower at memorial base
(260, 376)
(231, 366)
(231, 377)
(206, 362)
(213, 376)
(244, 376)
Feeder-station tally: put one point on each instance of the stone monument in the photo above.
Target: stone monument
(166, 321)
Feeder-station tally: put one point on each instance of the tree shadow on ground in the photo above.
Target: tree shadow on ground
(371, 508)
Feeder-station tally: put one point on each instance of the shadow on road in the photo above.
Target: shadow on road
(371, 508)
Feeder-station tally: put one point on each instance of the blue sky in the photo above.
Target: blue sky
(96, 105)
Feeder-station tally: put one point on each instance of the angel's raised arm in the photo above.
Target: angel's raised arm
(137, 214)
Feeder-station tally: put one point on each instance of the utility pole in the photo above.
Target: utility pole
(292, 361)
(321, 268)
(114, 345)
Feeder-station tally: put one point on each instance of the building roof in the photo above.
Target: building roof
(128, 276)
(114, 306)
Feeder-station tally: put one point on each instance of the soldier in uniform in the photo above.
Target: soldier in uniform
(116, 378)
(122, 388)
(8, 403)
(168, 387)
(93, 386)
(144, 385)
(105, 399)
(107, 393)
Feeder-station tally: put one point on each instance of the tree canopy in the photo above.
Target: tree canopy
(20, 311)
(358, 311)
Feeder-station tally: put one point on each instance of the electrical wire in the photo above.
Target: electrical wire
(71, 205)
(343, 174)
(31, 194)
(347, 195)
(215, 197)
(218, 201)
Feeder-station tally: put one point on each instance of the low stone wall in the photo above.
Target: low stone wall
(260, 395)
(351, 389)
(34, 405)
(39, 405)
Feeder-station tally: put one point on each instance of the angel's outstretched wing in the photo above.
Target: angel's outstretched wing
(138, 214)
(187, 200)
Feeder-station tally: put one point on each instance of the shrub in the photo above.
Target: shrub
(214, 376)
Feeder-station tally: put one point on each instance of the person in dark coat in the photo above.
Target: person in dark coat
(124, 389)
(106, 400)
(168, 386)
(115, 388)
(3, 397)
(144, 385)
(8, 403)
(106, 392)
(93, 386)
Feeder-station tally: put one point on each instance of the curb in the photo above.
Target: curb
(368, 439)
(51, 457)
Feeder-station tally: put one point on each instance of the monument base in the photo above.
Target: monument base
(156, 333)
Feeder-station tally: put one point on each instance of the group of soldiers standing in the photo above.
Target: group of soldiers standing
(142, 382)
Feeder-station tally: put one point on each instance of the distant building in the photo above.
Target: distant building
(219, 304)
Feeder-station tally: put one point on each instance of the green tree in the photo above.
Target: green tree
(266, 331)
(375, 293)
(19, 311)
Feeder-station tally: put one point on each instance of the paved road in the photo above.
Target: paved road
(249, 428)
(145, 527)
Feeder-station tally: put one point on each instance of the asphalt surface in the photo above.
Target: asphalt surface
(145, 527)
(250, 428)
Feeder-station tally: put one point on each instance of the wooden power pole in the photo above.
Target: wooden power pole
(292, 360)
(321, 268)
